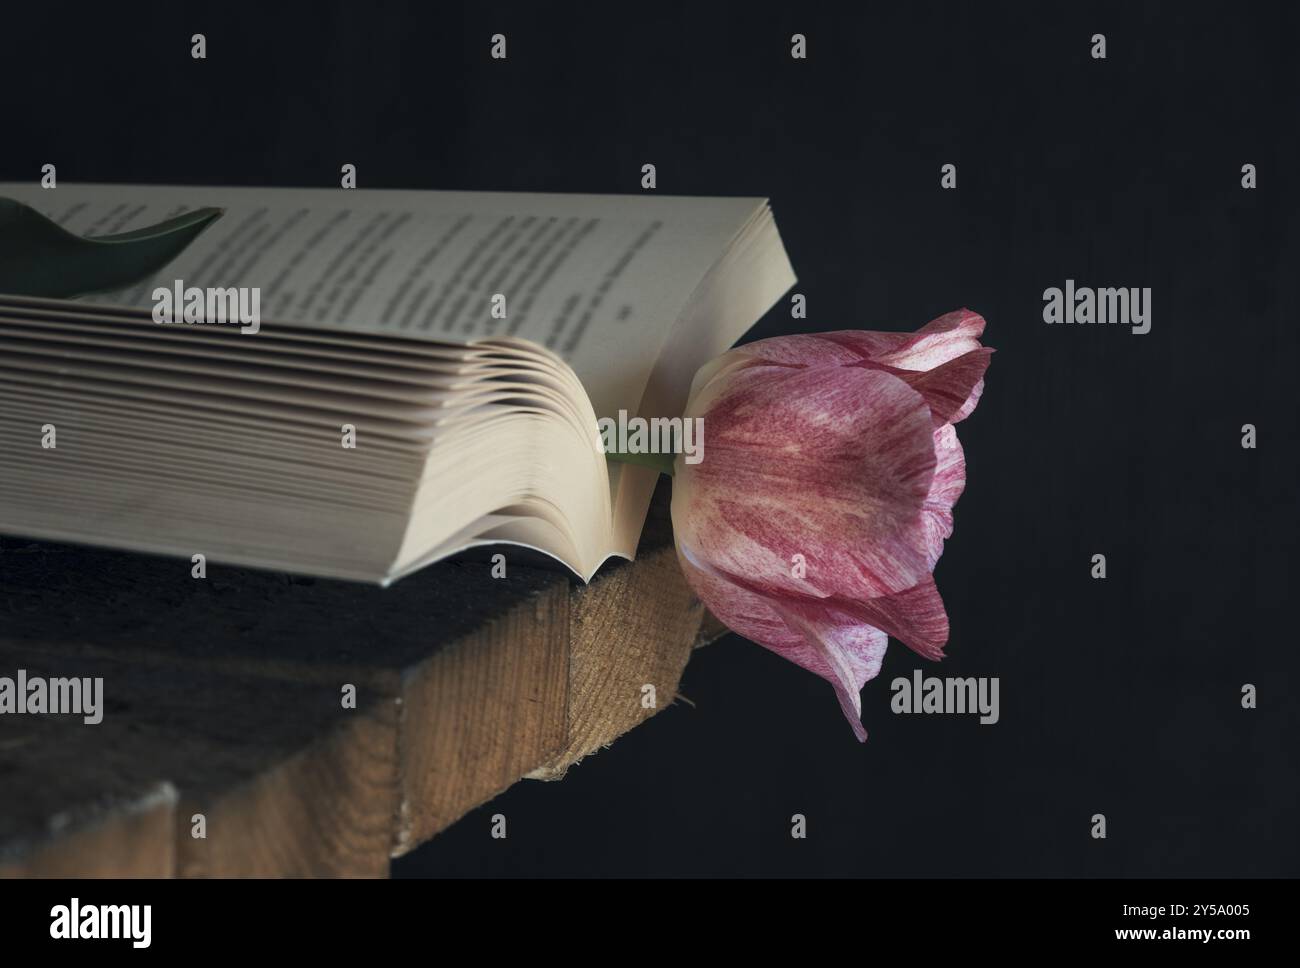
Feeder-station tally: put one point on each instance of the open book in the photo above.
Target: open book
(470, 341)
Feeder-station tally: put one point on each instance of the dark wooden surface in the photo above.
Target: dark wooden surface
(222, 698)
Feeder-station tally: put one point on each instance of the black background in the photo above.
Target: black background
(1119, 696)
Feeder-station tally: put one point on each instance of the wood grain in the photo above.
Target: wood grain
(122, 838)
(311, 786)
(477, 716)
(223, 699)
(630, 636)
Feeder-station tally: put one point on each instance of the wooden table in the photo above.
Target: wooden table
(223, 698)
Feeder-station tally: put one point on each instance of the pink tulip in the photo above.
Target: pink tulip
(831, 467)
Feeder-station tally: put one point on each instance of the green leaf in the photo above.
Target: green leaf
(39, 258)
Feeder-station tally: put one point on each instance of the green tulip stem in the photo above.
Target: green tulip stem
(663, 463)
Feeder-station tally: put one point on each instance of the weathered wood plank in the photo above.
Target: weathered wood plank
(479, 715)
(326, 810)
(227, 691)
(220, 741)
(630, 636)
(499, 648)
(120, 837)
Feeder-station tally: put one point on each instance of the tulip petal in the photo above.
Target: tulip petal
(934, 344)
(834, 646)
(971, 403)
(953, 389)
(916, 617)
(937, 342)
(849, 654)
(947, 486)
(831, 464)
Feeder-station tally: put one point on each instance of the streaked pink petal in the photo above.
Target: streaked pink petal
(833, 464)
(952, 389)
(916, 617)
(947, 486)
(849, 654)
(971, 403)
(833, 646)
(934, 344)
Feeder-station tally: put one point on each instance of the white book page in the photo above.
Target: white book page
(600, 280)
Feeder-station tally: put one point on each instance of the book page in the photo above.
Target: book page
(600, 280)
